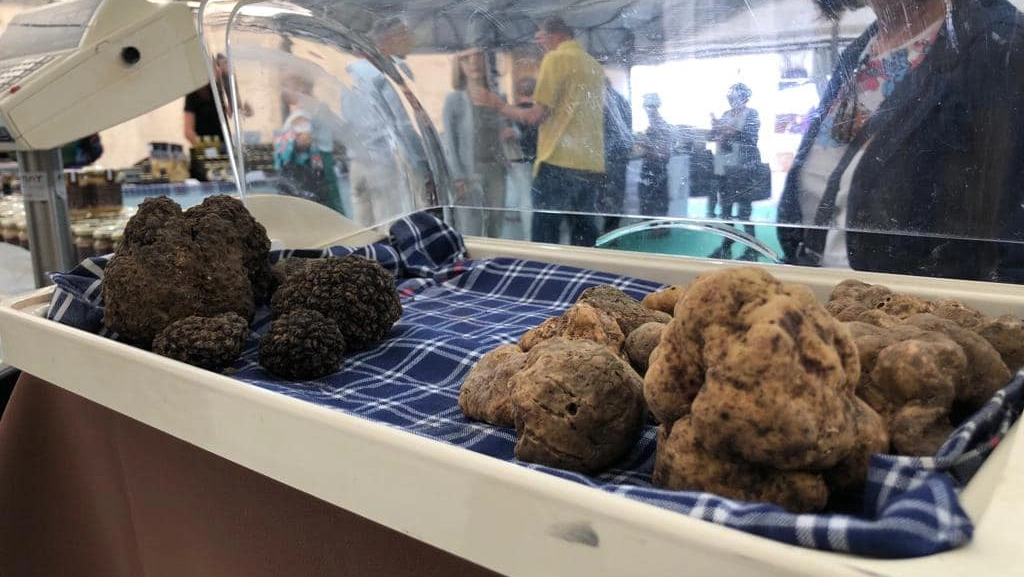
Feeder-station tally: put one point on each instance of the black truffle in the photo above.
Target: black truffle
(171, 265)
(248, 233)
(357, 294)
(212, 343)
(284, 268)
(302, 345)
(152, 217)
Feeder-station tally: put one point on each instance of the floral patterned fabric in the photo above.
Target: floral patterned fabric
(877, 77)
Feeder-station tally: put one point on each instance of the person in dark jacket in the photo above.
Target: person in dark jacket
(914, 161)
(200, 115)
(521, 146)
(200, 118)
(618, 146)
(736, 133)
(655, 150)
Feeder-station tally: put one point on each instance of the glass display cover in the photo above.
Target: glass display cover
(810, 132)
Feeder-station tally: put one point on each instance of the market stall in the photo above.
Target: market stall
(331, 435)
(473, 505)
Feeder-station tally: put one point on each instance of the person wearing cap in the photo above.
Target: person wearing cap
(306, 143)
(569, 111)
(736, 134)
(305, 169)
(656, 147)
(473, 139)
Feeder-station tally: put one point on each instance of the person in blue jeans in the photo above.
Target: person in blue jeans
(568, 110)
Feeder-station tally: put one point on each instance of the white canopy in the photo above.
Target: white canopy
(773, 26)
(628, 31)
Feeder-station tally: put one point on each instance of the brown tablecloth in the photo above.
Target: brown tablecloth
(85, 491)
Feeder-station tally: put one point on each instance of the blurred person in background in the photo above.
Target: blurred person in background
(388, 171)
(303, 152)
(301, 164)
(655, 149)
(82, 152)
(201, 120)
(569, 112)
(521, 151)
(618, 148)
(201, 117)
(914, 159)
(735, 160)
(473, 137)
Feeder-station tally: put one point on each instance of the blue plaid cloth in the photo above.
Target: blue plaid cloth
(456, 310)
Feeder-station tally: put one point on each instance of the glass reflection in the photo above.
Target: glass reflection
(879, 136)
(917, 132)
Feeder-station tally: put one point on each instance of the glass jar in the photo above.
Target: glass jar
(115, 237)
(9, 226)
(22, 227)
(83, 241)
(102, 242)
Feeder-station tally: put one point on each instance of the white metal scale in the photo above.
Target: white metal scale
(73, 68)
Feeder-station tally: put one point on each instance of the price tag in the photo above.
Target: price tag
(33, 185)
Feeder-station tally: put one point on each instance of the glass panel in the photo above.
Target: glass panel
(807, 134)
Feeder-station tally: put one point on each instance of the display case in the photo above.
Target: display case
(367, 108)
(478, 507)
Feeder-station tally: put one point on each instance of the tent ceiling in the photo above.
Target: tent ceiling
(646, 30)
(635, 31)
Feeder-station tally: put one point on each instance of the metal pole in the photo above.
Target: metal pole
(46, 213)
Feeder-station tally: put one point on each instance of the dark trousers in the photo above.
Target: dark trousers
(611, 203)
(653, 189)
(726, 197)
(561, 191)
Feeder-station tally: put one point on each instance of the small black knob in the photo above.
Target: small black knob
(130, 55)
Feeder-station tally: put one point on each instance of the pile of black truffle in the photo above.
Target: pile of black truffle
(323, 308)
(186, 285)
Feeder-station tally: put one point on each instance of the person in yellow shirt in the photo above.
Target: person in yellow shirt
(569, 111)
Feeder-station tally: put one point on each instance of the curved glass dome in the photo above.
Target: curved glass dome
(772, 130)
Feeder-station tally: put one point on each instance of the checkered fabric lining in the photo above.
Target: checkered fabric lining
(456, 310)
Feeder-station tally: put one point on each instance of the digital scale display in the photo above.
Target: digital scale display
(57, 28)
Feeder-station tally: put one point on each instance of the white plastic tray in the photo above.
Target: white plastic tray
(511, 519)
